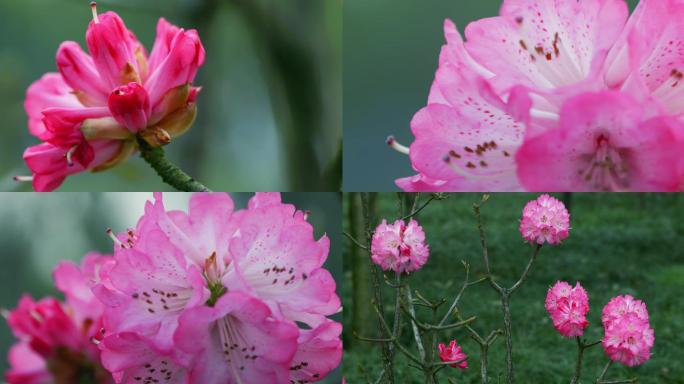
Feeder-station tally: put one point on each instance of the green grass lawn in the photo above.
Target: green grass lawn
(618, 244)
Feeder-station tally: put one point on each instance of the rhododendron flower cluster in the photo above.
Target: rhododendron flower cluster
(399, 247)
(545, 220)
(90, 115)
(628, 334)
(568, 307)
(57, 339)
(221, 296)
(556, 96)
(212, 295)
(453, 352)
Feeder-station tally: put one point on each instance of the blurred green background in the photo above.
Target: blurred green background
(270, 108)
(619, 244)
(390, 56)
(38, 231)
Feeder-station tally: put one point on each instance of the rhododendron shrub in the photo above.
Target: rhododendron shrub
(93, 113)
(556, 96)
(545, 223)
(211, 295)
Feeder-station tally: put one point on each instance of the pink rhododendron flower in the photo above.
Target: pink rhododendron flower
(453, 353)
(57, 339)
(628, 334)
(604, 142)
(212, 290)
(545, 220)
(90, 114)
(568, 307)
(399, 247)
(504, 110)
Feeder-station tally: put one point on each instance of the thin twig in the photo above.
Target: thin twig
(350, 237)
(458, 296)
(416, 211)
(518, 283)
(414, 326)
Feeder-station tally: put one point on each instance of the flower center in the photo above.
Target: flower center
(606, 169)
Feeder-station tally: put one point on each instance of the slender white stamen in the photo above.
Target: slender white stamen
(306, 214)
(23, 178)
(392, 142)
(115, 239)
(93, 7)
(70, 154)
(4, 313)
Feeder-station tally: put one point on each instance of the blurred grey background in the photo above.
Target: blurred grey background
(37, 231)
(391, 48)
(270, 108)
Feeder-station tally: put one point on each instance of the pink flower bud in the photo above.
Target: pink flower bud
(568, 308)
(453, 353)
(545, 220)
(130, 106)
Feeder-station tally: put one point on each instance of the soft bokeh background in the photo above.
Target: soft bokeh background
(390, 56)
(619, 244)
(270, 109)
(37, 231)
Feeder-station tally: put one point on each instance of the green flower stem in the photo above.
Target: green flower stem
(169, 172)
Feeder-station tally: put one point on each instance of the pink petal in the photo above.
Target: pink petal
(178, 68)
(162, 43)
(49, 91)
(79, 72)
(273, 342)
(113, 47)
(319, 352)
(135, 357)
(546, 44)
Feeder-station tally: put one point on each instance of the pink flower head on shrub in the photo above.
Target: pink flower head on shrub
(212, 291)
(399, 247)
(90, 115)
(568, 308)
(57, 340)
(545, 220)
(628, 335)
(555, 96)
(453, 353)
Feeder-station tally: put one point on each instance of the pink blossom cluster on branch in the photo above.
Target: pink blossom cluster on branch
(89, 114)
(628, 335)
(545, 220)
(399, 247)
(556, 96)
(568, 307)
(211, 295)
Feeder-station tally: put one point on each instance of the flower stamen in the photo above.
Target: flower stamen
(69, 155)
(93, 7)
(392, 142)
(23, 178)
